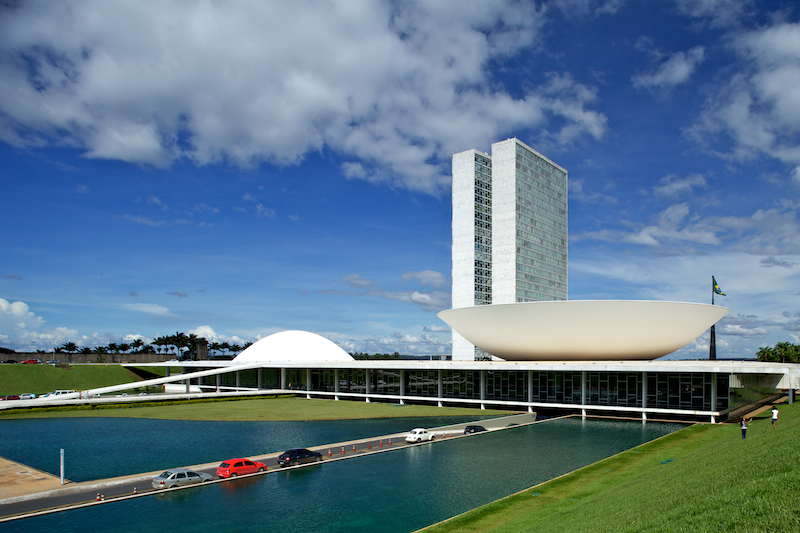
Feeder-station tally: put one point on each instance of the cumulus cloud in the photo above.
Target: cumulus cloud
(759, 107)
(21, 329)
(393, 87)
(675, 70)
(404, 343)
(208, 333)
(774, 231)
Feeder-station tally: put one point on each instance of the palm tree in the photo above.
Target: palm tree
(236, 349)
(215, 346)
(225, 346)
(86, 350)
(137, 344)
(124, 347)
(112, 347)
(69, 347)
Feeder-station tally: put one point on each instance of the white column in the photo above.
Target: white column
(308, 383)
(440, 378)
(583, 387)
(260, 381)
(283, 378)
(336, 380)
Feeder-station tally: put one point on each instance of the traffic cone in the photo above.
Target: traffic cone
(390, 442)
(369, 446)
(342, 450)
(134, 490)
(97, 498)
(354, 447)
(380, 444)
(329, 452)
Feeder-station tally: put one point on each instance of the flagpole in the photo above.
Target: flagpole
(712, 346)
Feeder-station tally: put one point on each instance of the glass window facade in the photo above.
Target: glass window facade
(679, 391)
(686, 391)
(541, 203)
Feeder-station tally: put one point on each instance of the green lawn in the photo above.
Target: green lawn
(260, 409)
(703, 478)
(40, 379)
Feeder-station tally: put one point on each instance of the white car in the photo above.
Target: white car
(420, 435)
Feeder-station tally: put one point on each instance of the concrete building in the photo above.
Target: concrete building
(509, 231)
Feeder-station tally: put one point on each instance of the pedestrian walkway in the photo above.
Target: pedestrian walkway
(17, 479)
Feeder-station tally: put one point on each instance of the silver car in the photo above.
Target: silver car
(178, 477)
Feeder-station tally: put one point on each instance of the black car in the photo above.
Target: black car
(473, 429)
(297, 456)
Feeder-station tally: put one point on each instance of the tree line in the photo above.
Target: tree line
(182, 345)
(783, 352)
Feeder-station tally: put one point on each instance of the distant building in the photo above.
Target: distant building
(509, 231)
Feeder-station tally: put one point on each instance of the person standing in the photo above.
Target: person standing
(774, 416)
(744, 425)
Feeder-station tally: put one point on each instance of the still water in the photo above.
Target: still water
(397, 491)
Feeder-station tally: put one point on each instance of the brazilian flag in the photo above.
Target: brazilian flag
(716, 287)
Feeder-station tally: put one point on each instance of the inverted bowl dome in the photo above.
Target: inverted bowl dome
(583, 329)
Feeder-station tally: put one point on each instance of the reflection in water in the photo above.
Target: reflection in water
(397, 491)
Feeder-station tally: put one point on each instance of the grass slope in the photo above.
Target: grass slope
(40, 379)
(702, 478)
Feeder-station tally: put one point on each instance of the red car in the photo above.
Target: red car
(239, 467)
(32, 362)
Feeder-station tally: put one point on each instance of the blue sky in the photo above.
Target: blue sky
(235, 169)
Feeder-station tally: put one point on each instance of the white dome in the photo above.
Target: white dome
(292, 346)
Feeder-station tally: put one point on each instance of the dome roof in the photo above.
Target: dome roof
(583, 329)
(292, 346)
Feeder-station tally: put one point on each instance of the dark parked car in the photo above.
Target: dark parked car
(297, 456)
(10, 361)
(473, 429)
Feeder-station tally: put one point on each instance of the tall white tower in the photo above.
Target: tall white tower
(509, 230)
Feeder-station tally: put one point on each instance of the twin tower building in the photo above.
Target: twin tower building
(509, 231)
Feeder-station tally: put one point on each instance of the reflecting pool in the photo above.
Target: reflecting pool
(98, 448)
(397, 491)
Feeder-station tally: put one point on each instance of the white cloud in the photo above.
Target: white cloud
(578, 193)
(355, 280)
(676, 70)
(428, 278)
(150, 309)
(21, 329)
(774, 231)
(674, 186)
(394, 88)
(759, 107)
